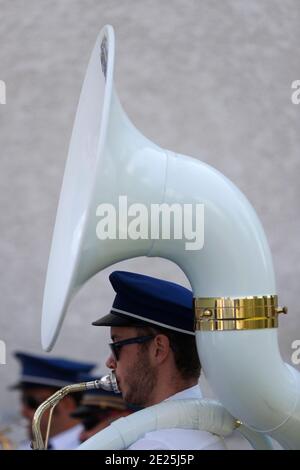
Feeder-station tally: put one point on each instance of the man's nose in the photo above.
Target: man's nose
(111, 362)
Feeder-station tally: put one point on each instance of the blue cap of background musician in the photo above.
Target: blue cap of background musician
(49, 371)
(143, 300)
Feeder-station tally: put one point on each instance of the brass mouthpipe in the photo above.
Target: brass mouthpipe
(107, 382)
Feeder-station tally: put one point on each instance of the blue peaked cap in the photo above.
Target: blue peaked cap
(143, 300)
(50, 371)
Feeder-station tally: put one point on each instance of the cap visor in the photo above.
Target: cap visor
(17, 386)
(114, 319)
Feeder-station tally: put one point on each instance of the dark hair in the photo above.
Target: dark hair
(183, 347)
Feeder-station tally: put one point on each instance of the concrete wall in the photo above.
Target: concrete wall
(206, 78)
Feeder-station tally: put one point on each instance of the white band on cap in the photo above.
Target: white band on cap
(163, 325)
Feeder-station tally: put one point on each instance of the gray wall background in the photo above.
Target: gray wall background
(207, 78)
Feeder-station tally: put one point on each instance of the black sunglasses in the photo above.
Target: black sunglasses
(116, 347)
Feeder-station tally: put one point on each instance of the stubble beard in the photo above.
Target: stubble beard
(141, 379)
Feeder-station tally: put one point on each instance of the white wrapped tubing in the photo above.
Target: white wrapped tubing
(205, 415)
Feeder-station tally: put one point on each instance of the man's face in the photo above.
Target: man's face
(135, 371)
(31, 399)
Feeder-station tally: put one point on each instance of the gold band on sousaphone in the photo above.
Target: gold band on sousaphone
(248, 313)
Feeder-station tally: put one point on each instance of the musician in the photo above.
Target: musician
(40, 378)
(98, 409)
(154, 355)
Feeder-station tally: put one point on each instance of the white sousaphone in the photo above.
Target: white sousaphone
(236, 310)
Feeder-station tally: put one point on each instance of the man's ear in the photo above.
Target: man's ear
(162, 347)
